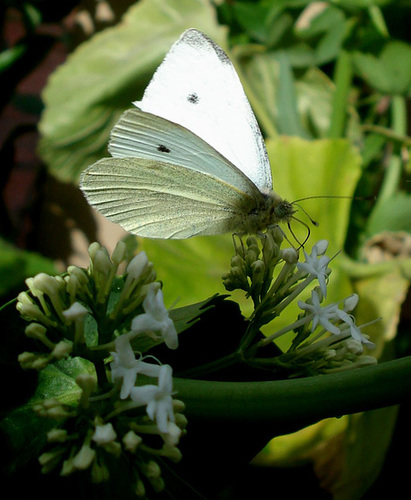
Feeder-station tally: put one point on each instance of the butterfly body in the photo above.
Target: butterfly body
(189, 159)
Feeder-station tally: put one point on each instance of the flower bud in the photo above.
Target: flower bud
(104, 434)
(351, 302)
(57, 436)
(131, 441)
(84, 458)
(119, 253)
(138, 266)
(75, 311)
(62, 350)
(38, 332)
(258, 270)
(289, 255)
(151, 469)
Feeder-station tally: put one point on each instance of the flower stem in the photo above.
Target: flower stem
(287, 405)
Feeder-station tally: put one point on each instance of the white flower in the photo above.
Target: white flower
(156, 319)
(317, 266)
(321, 315)
(355, 331)
(126, 366)
(158, 399)
(104, 434)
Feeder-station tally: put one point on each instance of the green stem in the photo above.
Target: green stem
(288, 405)
(388, 134)
(342, 79)
(393, 171)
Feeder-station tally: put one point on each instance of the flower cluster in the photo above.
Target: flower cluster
(326, 338)
(125, 407)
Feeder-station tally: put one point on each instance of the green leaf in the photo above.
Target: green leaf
(390, 72)
(16, 265)
(393, 214)
(24, 429)
(10, 56)
(85, 96)
(366, 442)
(329, 24)
(323, 168)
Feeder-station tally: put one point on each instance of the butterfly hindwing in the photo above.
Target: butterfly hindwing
(138, 194)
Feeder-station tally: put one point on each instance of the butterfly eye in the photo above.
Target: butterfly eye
(163, 149)
(193, 98)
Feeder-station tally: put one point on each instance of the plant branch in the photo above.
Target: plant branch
(288, 405)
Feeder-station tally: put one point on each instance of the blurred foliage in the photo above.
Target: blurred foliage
(330, 84)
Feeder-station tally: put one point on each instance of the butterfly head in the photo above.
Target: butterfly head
(283, 211)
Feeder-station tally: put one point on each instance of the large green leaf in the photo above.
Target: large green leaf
(191, 269)
(85, 96)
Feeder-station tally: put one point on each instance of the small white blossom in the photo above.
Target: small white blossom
(158, 399)
(317, 266)
(321, 315)
(355, 331)
(156, 319)
(126, 366)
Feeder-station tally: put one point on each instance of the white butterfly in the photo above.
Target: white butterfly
(189, 159)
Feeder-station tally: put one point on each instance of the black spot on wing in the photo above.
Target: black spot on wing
(193, 98)
(163, 149)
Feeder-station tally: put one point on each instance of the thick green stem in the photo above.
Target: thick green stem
(291, 404)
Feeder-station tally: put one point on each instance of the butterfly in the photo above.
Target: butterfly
(189, 158)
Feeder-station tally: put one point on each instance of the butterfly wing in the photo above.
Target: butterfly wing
(197, 87)
(156, 199)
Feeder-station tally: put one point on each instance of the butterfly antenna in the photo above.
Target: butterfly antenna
(313, 222)
(301, 245)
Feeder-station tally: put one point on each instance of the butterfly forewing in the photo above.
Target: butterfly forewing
(197, 87)
(143, 135)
